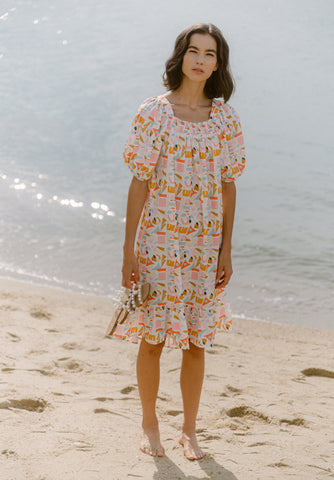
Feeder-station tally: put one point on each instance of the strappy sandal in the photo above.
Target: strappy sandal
(134, 297)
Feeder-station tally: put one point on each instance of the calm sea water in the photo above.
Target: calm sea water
(72, 76)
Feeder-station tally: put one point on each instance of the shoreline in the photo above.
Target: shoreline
(69, 391)
(83, 293)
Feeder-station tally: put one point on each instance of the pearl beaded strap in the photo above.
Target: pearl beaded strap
(129, 303)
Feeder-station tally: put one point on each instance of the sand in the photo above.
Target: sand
(69, 404)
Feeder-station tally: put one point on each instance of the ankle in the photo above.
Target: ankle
(150, 423)
(189, 430)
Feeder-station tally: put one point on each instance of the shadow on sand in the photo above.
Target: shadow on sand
(168, 470)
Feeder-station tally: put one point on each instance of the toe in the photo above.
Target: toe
(190, 454)
(161, 451)
(200, 454)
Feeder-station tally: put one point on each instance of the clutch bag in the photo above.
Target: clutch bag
(127, 301)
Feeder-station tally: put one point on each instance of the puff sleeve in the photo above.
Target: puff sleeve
(142, 148)
(235, 157)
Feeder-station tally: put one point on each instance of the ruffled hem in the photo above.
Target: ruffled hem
(159, 326)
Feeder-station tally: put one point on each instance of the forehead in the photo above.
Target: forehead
(203, 41)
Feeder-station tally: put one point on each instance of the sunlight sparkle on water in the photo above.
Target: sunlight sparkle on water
(98, 216)
(18, 186)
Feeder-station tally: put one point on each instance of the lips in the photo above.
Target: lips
(197, 70)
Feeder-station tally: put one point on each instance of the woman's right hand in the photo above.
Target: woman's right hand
(130, 270)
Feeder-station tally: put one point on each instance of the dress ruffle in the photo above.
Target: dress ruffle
(160, 323)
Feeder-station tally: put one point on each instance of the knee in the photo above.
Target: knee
(195, 351)
(150, 348)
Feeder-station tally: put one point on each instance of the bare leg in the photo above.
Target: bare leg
(148, 376)
(191, 380)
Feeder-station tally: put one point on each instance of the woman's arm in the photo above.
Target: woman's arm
(136, 200)
(224, 268)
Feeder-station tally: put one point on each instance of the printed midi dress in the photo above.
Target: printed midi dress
(179, 235)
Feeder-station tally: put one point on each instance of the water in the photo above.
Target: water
(72, 76)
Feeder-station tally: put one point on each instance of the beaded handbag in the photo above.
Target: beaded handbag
(127, 300)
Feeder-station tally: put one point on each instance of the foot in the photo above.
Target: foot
(191, 448)
(150, 442)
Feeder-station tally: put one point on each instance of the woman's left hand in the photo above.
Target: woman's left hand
(224, 269)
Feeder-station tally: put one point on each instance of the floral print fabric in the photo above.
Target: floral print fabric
(180, 231)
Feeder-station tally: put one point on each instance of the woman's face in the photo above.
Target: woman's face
(200, 58)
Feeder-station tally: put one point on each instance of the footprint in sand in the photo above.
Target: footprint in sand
(13, 337)
(127, 390)
(9, 453)
(278, 464)
(259, 444)
(37, 352)
(231, 391)
(69, 364)
(8, 308)
(245, 411)
(47, 371)
(103, 399)
(40, 313)
(174, 413)
(8, 295)
(207, 438)
(83, 446)
(77, 346)
(71, 346)
(105, 410)
(317, 372)
(101, 410)
(29, 404)
(164, 398)
(299, 422)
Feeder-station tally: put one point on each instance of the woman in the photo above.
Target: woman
(185, 150)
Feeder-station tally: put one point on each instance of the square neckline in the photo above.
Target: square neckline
(177, 119)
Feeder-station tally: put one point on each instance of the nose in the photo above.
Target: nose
(200, 59)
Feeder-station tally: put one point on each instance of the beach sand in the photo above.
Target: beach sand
(70, 409)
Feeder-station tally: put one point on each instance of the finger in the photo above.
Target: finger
(219, 283)
(220, 275)
(227, 279)
(127, 281)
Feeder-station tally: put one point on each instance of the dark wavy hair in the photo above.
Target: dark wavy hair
(220, 83)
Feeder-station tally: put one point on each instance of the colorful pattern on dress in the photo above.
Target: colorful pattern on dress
(180, 231)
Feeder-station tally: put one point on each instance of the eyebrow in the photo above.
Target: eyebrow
(208, 50)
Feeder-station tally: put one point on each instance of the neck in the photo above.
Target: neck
(191, 93)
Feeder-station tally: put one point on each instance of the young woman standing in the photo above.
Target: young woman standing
(185, 150)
